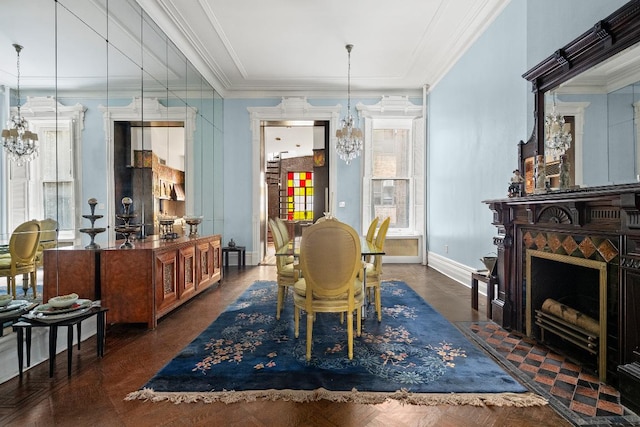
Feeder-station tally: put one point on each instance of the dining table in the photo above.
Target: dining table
(292, 248)
(367, 248)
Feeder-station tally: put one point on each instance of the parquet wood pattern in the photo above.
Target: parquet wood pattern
(94, 394)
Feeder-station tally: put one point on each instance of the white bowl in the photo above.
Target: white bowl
(5, 300)
(63, 301)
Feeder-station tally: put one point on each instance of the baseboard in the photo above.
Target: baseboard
(454, 270)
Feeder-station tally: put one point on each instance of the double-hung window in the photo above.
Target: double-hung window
(391, 173)
(394, 165)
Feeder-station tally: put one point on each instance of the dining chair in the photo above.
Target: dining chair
(282, 227)
(330, 260)
(373, 269)
(20, 260)
(48, 238)
(287, 271)
(371, 234)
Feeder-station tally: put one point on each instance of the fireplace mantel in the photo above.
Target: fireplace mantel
(600, 223)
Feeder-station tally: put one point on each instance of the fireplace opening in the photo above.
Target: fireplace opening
(566, 306)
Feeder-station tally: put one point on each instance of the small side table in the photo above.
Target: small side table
(240, 250)
(490, 282)
(26, 324)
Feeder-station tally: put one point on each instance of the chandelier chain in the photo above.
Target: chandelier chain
(349, 136)
(18, 141)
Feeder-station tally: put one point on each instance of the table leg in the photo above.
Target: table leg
(28, 345)
(490, 285)
(226, 258)
(474, 293)
(20, 335)
(79, 326)
(69, 348)
(53, 338)
(100, 333)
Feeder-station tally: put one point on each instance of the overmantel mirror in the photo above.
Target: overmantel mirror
(587, 110)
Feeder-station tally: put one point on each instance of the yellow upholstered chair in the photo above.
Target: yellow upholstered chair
(48, 238)
(282, 227)
(23, 246)
(374, 269)
(371, 234)
(372, 229)
(288, 273)
(330, 262)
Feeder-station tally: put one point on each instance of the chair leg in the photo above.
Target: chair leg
(296, 321)
(34, 283)
(378, 303)
(310, 317)
(359, 321)
(280, 301)
(11, 286)
(350, 333)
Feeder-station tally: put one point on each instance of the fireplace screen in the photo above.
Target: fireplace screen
(567, 296)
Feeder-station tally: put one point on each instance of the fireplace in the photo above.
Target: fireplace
(566, 297)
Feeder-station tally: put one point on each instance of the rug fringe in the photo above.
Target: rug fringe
(353, 396)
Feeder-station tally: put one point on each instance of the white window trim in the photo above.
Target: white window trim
(396, 112)
(45, 112)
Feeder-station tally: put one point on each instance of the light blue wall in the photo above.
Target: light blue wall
(477, 115)
(479, 112)
(238, 174)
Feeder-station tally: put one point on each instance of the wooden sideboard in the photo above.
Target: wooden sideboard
(138, 285)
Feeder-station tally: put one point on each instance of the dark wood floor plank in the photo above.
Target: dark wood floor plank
(94, 394)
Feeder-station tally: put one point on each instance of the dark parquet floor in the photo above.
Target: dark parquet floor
(94, 394)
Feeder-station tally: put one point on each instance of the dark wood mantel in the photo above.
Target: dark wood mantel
(600, 223)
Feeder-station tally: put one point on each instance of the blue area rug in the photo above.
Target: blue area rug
(414, 355)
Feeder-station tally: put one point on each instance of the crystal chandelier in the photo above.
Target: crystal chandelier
(557, 140)
(349, 144)
(17, 140)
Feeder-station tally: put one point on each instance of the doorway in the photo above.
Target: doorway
(290, 109)
(296, 173)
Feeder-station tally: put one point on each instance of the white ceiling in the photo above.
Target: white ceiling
(254, 48)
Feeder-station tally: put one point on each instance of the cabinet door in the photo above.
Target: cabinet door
(216, 261)
(205, 264)
(187, 272)
(166, 280)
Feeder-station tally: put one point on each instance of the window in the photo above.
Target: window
(300, 196)
(57, 177)
(394, 165)
(46, 187)
(390, 179)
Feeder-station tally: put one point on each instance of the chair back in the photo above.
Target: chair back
(372, 229)
(380, 239)
(282, 227)
(48, 233)
(330, 259)
(275, 234)
(24, 242)
(281, 261)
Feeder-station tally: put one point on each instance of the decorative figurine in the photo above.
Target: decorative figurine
(517, 181)
(127, 229)
(565, 178)
(93, 230)
(231, 244)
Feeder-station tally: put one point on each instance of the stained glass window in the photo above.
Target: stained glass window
(299, 196)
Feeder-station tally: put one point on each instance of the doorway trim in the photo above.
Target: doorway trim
(294, 108)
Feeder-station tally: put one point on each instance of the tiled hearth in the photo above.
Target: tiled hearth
(572, 391)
